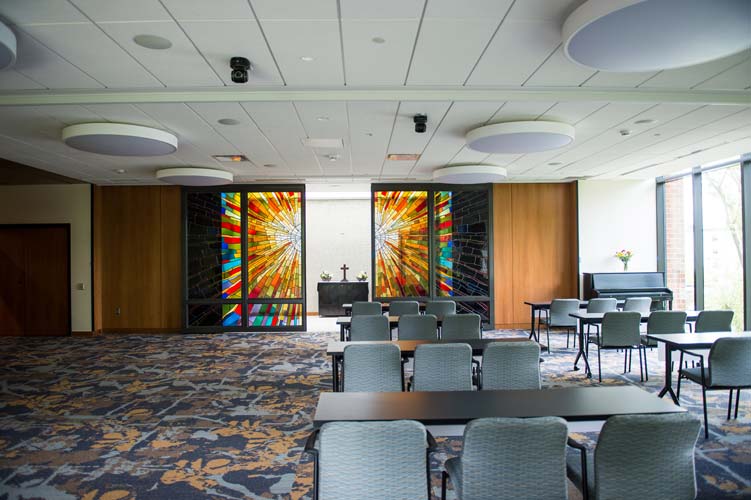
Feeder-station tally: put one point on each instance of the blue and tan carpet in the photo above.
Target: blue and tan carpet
(225, 416)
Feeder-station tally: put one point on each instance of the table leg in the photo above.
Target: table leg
(582, 353)
(341, 333)
(667, 388)
(335, 372)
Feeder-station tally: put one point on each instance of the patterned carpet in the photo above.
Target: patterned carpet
(225, 416)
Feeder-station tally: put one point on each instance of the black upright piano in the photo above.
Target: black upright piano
(624, 285)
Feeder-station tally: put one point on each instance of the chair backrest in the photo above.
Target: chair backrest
(714, 321)
(369, 328)
(363, 308)
(560, 310)
(730, 362)
(602, 305)
(461, 326)
(440, 307)
(640, 304)
(648, 456)
(666, 322)
(621, 329)
(372, 368)
(418, 327)
(511, 365)
(402, 307)
(443, 367)
(499, 453)
(373, 461)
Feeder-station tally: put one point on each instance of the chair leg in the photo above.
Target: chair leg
(646, 369)
(730, 403)
(625, 360)
(573, 343)
(548, 337)
(641, 372)
(737, 400)
(678, 388)
(599, 364)
(704, 403)
(444, 477)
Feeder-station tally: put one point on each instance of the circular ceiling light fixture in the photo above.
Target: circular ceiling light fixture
(470, 174)
(194, 176)
(307, 58)
(152, 42)
(8, 47)
(653, 35)
(119, 139)
(520, 137)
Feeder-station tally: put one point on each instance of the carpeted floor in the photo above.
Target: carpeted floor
(225, 416)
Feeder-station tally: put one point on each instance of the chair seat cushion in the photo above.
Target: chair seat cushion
(574, 469)
(648, 342)
(694, 374)
(454, 467)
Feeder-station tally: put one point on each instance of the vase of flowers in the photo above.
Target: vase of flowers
(624, 256)
(325, 276)
(362, 276)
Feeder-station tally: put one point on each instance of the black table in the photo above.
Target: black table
(545, 306)
(333, 294)
(407, 348)
(686, 342)
(345, 322)
(384, 307)
(459, 407)
(586, 318)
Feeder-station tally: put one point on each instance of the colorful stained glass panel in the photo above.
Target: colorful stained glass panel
(275, 315)
(204, 245)
(231, 246)
(215, 315)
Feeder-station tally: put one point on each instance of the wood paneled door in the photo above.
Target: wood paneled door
(35, 280)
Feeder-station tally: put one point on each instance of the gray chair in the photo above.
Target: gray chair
(499, 454)
(363, 308)
(443, 367)
(402, 307)
(640, 304)
(649, 457)
(664, 322)
(559, 318)
(600, 305)
(620, 330)
(418, 327)
(373, 368)
(369, 328)
(728, 367)
(511, 365)
(711, 321)
(461, 326)
(371, 460)
(440, 307)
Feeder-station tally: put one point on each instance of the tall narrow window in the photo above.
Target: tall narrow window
(679, 241)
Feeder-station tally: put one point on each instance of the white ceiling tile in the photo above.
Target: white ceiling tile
(571, 111)
(736, 78)
(123, 113)
(40, 11)
(179, 66)
(686, 78)
(516, 51)
(369, 63)
(404, 139)
(220, 41)
(201, 10)
(291, 40)
(117, 10)
(295, 9)
(558, 71)
(382, 9)
(536, 10)
(370, 125)
(521, 110)
(448, 60)
(608, 79)
(95, 53)
(13, 80)
(492, 10)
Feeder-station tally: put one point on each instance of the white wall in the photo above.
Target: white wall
(337, 232)
(59, 204)
(615, 215)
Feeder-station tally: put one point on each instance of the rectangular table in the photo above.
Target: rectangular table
(537, 307)
(596, 319)
(459, 407)
(384, 307)
(686, 342)
(407, 348)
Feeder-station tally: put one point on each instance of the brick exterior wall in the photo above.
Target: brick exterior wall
(675, 243)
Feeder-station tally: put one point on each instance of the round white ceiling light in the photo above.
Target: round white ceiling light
(119, 139)
(470, 174)
(520, 137)
(152, 42)
(194, 176)
(8, 47)
(653, 35)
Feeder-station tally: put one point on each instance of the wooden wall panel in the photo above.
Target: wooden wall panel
(171, 257)
(535, 247)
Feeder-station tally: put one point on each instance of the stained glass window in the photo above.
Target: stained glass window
(275, 315)
(231, 246)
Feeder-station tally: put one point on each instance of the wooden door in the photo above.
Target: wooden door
(12, 279)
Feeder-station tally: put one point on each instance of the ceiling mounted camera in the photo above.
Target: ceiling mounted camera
(421, 123)
(240, 67)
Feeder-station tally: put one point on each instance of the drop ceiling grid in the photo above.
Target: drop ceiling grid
(368, 151)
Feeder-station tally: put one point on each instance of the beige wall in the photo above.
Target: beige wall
(59, 204)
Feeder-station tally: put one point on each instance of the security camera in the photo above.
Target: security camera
(240, 67)
(421, 123)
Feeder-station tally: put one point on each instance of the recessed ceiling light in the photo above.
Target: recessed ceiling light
(645, 121)
(120, 171)
(332, 157)
(378, 39)
(194, 176)
(403, 157)
(369, 134)
(657, 135)
(230, 158)
(307, 58)
(555, 163)
(119, 139)
(152, 42)
(269, 165)
(322, 118)
(8, 47)
(228, 121)
(520, 137)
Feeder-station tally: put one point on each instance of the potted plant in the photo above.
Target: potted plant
(325, 276)
(624, 256)
(362, 276)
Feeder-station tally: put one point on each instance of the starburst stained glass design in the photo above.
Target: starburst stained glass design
(401, 241)
(274, 245)
(445, 243)
(231, 247)
(274, 314)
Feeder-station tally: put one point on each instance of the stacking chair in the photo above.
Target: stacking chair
(664, 322)
(373, 368)
(402, 307)
(440, 307)
(370, 328)
(602, 305)
(711, 321)
(511, 365)
(418, 327)
(499, 454)
(620, 330)
(649, 457)
(363, 308)
(640, 304)
(371, 460)
(443, 367)
(559, 318)
(461, 326)
(728, 367)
